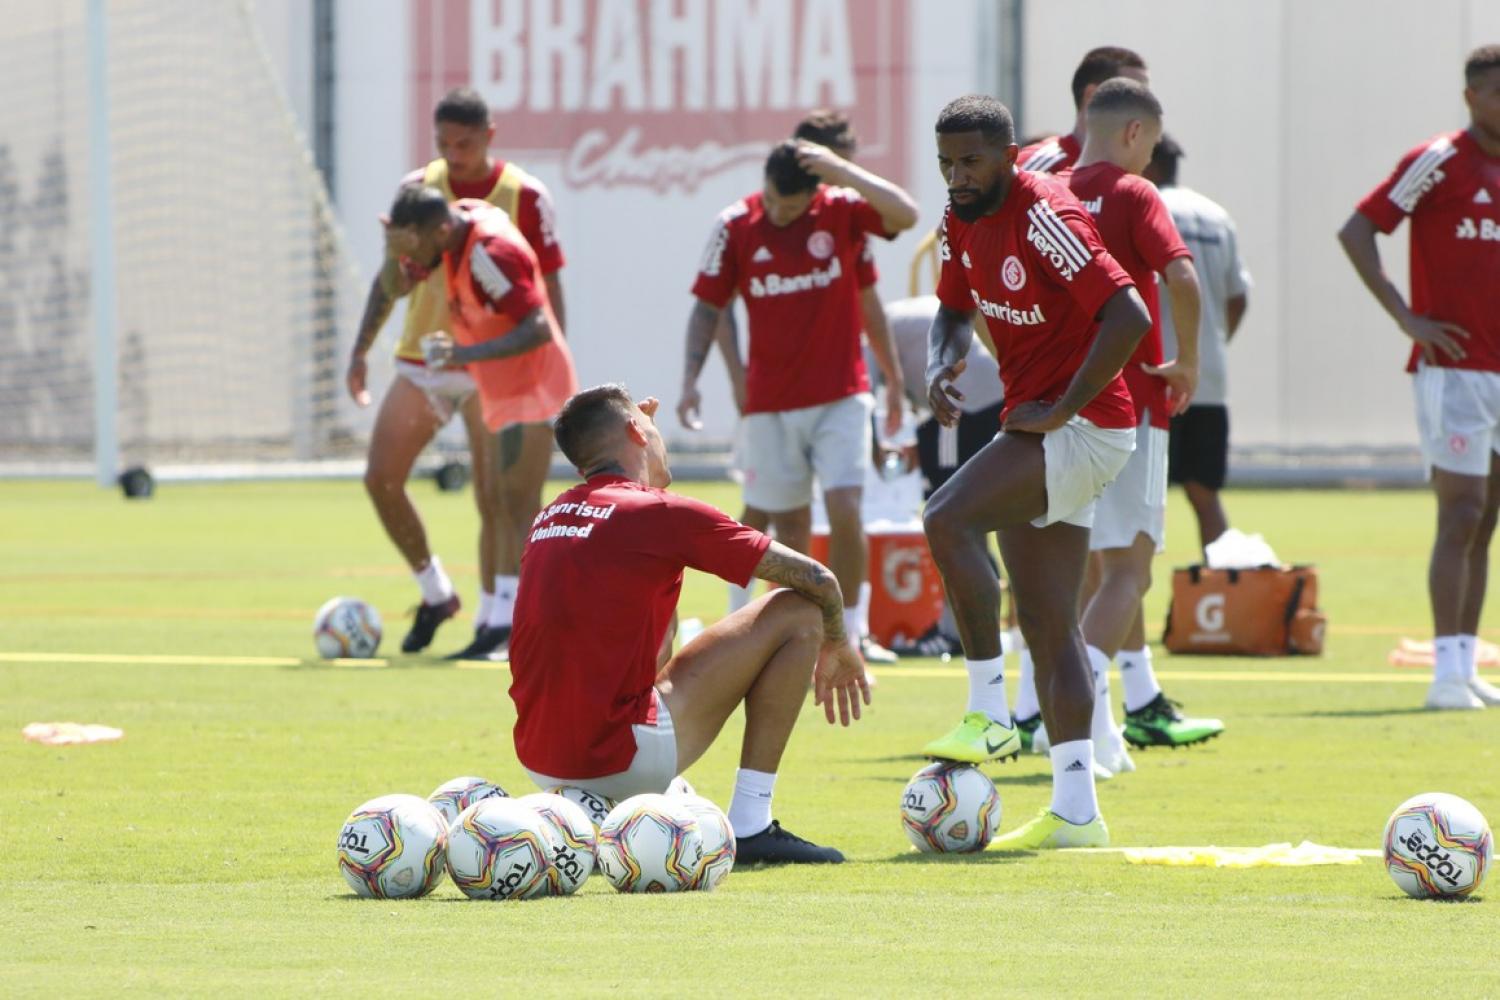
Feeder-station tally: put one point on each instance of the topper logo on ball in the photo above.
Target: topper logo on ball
(663, 94)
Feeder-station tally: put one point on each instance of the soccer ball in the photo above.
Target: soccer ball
(573, 842)
(453, 797)
(393, 847)
(650, 843)
(1437, 845)
(681, 786)
(718, 842)
(498, 849)
(595, 806)
(346, 626)
(950, 808)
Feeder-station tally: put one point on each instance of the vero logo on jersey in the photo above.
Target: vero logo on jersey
(790, 284)
(1052, 238)
(1484, 229)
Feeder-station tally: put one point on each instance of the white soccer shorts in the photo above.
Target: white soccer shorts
(651, 770)
(1081, 459)
(1458, 418)
(446, 389)
(784, 451)
(1136, 502)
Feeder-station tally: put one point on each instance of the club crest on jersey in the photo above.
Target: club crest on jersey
(1012, 274)
(820, 244)
(1458, 444)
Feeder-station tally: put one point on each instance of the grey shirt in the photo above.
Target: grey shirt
(1210, 235)
(910, 320)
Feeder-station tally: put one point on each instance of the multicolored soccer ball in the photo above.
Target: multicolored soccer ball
(950, 808)
(393, 847)
(650, 843)
(681, 786)
(1437, 845)
(596, 807)
(718, 842)
(453, 797)
(498, 849)
(573, 840)
(346, 627)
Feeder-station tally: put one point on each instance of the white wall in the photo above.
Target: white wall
(1289, 112)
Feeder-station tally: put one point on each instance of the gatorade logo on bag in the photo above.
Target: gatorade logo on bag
(1210, 614)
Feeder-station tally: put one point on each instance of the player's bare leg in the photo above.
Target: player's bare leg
(484, 500)
(1124, 578)
(1457, 577)
(403, 427)
(1212, 521)
(762, 656)
(751, 517)
(848, 551)
(793, 528)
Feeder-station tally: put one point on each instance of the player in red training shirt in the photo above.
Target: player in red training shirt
(1064, 318)
(1057, 153)
(596, 706)
(1449, 186)
(1124, 124)
(791, 251)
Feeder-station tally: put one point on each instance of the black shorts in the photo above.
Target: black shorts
(942, 453)
(1199, 448)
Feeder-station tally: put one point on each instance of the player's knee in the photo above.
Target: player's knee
(1460, 517)
(940, 523)
(799, 618)
(379, 483)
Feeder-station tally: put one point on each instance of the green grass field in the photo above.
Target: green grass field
(197, 855)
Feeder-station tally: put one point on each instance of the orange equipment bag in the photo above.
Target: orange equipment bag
(1267, 611)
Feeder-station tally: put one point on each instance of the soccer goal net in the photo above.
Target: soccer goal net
(234, 298)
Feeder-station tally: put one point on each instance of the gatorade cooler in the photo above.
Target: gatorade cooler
(906, 593)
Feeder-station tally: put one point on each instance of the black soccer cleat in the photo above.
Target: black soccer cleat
(490, 642)
(428, 618)
(777, 846)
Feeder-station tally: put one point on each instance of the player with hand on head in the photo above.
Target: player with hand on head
(1065, 318)
(600, 702)
(791, 252)
(1449, 187)
(503, 330)
(1055, 154)
(421, 400)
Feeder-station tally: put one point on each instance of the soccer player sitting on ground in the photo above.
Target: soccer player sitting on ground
(1450, 187)
(502, 320)
(1124, 123)
(1064, 317)
(421, 400)
(596, 706)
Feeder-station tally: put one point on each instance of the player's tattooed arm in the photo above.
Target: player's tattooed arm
(532, 332)
(788, 568)
(702, 323)
(1122, 323)
(378, 306)
(727, 337)
(948, 341)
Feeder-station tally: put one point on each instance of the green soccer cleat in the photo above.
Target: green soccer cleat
(1159, 724)
(977, 738)
(1049, 831)
(1027, 729)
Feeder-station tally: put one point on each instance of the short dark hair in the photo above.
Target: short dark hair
(1481, 60)
(1103, 63)
(828, 127)
(462, 106)
(978, 113)
(586, 417)
(1122, 96)
(786, 172)
(1164, 158)
(418, 205)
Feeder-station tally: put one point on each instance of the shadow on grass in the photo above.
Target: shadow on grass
(1358, 713)
(999, 778)
(976, 858)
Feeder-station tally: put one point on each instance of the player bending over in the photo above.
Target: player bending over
(1064, 318)
(596, 706)
(1450, 188)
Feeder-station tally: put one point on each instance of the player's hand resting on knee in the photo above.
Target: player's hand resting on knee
(840, 676)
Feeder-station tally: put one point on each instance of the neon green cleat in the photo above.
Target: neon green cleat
(1027, 729)
(1159, 724)
(1049, 831)
(976, 739)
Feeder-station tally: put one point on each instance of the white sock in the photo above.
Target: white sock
(436, 587)
(1447, 662)
(750, 809)
(1468, 650)
(1026, 700)
(503, 604)
(987, 688)
(1138, 678)
(1103, 727)
(1073, 796)
(851, 626)
(740, 596)
(482, 616)
(863, 606)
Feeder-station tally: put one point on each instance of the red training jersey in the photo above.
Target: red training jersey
(1139, 233)
(1451, 191)
(1039, 273)
(799, 283)
(1050, 156)
(535, 216)
(600, 576)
